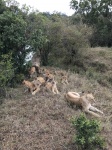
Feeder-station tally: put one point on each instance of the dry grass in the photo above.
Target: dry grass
(42, 122)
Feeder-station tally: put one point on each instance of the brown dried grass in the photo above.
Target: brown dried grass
(42, 122)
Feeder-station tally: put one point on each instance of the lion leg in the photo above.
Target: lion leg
(66, 81)
(57, 91)
(31, 90)
(34, 92)
(95, 109)
(53, 90)
(92, 113)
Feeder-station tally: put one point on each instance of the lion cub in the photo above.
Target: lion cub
(40, 79)
(63, 77)
(32, 86)
(64, 80)
(84, 101)
(51, 85)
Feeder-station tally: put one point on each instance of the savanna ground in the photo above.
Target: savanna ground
(42, 122)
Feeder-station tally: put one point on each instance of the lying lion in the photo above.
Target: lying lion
(32, 86)
(51, 86)
(34, 71)
(64, 80)
(84, 101)
(49, 76)
(40, 79)
(38, 82)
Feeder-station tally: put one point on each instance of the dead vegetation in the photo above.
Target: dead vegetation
(42, 121)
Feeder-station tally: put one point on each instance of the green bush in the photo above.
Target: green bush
(6, 69)
(87, 133)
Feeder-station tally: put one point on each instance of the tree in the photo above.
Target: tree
(97, 14)
(6, 69)
(19, 34)
(6, 72)
(65, 41)
(12, 29)
(38, 24)
(2, 6)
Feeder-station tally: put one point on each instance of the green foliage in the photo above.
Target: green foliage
(74, 41)
(2, 6)
(65, 41)
(87, 133)
(19, 33)
(12, 29)
(97, 14)
(6, 69)
(58, 40)
(92, 9)
(17, 79)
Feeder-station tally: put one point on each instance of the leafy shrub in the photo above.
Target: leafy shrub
(6, 73)
(68, 44)
(75, 41)
(17, 79)
(6, 69)
(87, 136)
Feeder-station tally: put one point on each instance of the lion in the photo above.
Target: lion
(51, 86)
(34, 71)
(49, 77)
(63, 76)
(38, 82)
(33, 87)
(84, 101)
(41, 80)
(64, 80)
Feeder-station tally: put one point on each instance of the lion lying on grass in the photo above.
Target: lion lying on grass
(84, 101)
(39, 82)
(33, 87)
(51, 86)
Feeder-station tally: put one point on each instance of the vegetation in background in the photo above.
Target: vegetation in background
(17, 35)
(87, 133)
(60, 40)
(97, 14)
(6, 69)
(6, 72)
(64, 42)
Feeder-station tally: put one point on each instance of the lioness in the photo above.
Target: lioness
(49, 76)
(32, 86)
(41, 80)
(64, 79)
(63, 76)
(84, 101)
(52, 86)
(34, 71)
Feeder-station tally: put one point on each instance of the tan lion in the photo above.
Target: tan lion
(63, 76)
(49, 76)
(52, 86)
(84, 101)
(33, 87)
(41, 80)
(34, 71)
(64, 80)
